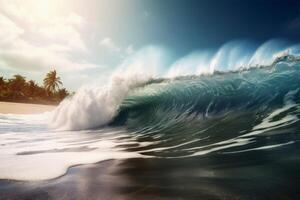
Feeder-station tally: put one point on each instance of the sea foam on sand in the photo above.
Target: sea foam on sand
(31, 152)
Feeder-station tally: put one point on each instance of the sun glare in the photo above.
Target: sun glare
(43, 10)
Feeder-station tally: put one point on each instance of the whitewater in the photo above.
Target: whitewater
(234, 103)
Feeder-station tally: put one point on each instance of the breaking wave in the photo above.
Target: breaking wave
(230, 80)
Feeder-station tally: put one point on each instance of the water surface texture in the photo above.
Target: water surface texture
(228, 135)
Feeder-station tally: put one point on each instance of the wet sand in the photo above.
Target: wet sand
(113, 180)
(158, 179)
(23, 108)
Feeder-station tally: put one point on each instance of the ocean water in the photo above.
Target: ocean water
(234, 130)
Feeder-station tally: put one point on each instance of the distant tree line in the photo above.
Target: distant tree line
(18, 89)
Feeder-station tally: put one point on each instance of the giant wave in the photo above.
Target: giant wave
(242, 109)
(254, 79)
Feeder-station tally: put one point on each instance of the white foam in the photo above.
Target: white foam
(268, 123)
(261, 148)
(42, 154)
(95, 106)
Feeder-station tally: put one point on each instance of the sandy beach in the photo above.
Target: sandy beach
(23, 108)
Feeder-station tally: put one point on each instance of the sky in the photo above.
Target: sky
(85, 41)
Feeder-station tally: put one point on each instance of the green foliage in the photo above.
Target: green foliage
(17, 89)
(52, 82)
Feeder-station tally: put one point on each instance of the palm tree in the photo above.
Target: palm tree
(63, 93)
(52, 81)
(2, 87)
(17, 86)
(2, 83)
(31, 88)
(2, 80)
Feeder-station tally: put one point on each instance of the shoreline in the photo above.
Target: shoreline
(24, 108)
(148, 179)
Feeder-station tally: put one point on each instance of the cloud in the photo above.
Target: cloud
(109, 44)
(32, 39)
(129, 50)
(9, 31)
